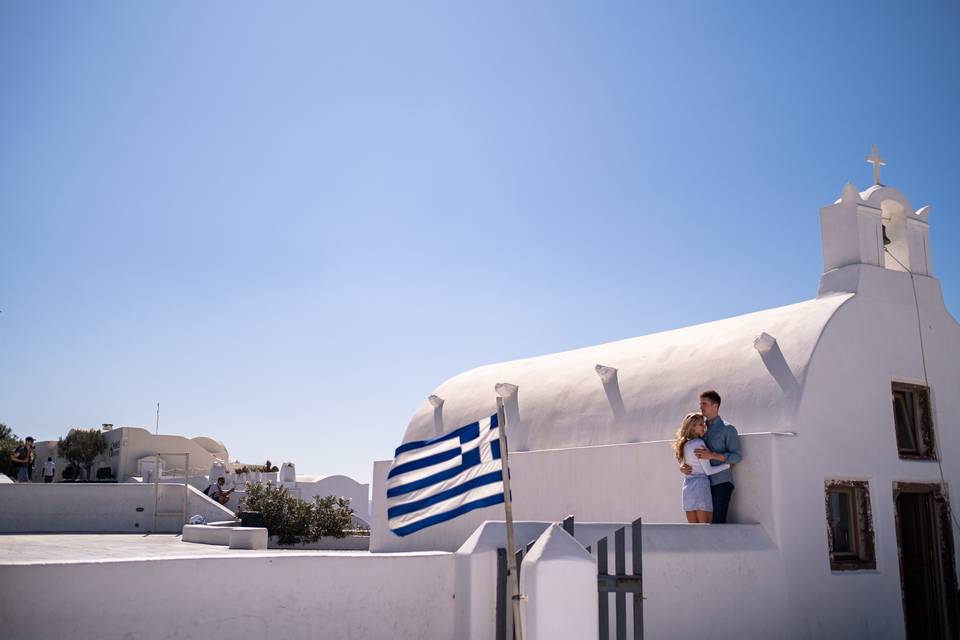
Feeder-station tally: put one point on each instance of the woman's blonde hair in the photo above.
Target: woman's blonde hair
(685, 432)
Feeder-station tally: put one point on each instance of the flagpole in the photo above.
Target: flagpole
(514, 576)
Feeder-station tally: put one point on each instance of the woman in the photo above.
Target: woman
(697, 502)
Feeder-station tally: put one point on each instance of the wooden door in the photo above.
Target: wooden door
(927, 573)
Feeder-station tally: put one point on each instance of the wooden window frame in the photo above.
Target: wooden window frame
(921, 431)
(863, 557)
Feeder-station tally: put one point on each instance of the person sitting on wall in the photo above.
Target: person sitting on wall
(723, 447)
(218, 493)
(23, 458)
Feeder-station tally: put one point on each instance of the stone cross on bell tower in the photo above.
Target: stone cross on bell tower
(877, 162)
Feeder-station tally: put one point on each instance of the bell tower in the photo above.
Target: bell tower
(877, 227)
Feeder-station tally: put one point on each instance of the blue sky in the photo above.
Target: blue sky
(288, 222)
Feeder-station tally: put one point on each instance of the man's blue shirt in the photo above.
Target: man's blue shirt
(723, 438)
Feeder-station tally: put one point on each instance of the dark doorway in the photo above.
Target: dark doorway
(927, 573)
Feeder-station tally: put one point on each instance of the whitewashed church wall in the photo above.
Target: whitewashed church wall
(846, 430)
(292, 596)
(89, 508)
(731, 576)
(615, 483)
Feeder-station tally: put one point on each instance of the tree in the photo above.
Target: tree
(81, 447)
(8, 444)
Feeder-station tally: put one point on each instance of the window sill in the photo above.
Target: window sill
(841, 572)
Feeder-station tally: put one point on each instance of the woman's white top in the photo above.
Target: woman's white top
(700, 467)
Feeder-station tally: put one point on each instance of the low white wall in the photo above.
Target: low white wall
(685, 567)
(591, 483)
(107, 507)
(357, 596)
(559, 580)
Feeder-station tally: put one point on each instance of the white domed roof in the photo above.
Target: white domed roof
(563, 403)
(212, 446)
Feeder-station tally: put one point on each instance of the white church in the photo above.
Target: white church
(840, 522)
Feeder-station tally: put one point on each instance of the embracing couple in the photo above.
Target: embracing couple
(707, 448)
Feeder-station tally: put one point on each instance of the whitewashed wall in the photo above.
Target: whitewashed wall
(845, 429)
(108, 507)
(559, 580)
(732, 575)
(615, 483)
(358, 596)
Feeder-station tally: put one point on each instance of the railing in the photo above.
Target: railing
(620, 583)
(156, 489)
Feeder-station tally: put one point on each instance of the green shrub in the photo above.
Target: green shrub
(294, 520)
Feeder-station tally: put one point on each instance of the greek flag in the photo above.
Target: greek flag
(432, 481)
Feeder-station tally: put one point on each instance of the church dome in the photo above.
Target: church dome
(563, 402)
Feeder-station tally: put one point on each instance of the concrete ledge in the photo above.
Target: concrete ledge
(248, 538)
(206, 534)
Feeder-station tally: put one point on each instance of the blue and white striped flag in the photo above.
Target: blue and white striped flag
(432, 481)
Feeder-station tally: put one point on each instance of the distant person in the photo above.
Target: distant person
(49, 470)
(23, 458)
(218, 493)
(722, 447)
(697, 499)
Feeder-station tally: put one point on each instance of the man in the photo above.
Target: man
(218, 493)
(723, 445)
(23, 459)
(49, 470)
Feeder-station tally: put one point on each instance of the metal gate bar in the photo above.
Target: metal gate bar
(620, 566)
(620, 583)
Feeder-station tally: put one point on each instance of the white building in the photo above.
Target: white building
(130, 452)
(844, 403)
(130, 458)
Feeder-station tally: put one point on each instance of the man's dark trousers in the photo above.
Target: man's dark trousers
(721, 494)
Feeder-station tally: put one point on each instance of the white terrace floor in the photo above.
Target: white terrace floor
(42, 548)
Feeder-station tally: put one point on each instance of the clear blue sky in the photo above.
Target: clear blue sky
(288, 222)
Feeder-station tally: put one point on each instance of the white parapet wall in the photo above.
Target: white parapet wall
(684, 566)
(259, 595)
(614, 483)
(559, 580)
(100, 507)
